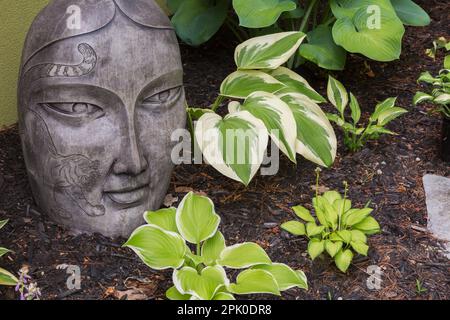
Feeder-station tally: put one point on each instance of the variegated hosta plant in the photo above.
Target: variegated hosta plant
(265, 100)
(355, 135)
(6, 277)
(337, 228)
(167, 240)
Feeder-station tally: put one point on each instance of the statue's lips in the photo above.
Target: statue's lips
(129, 196)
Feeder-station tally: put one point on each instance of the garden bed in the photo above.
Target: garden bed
(388, 172)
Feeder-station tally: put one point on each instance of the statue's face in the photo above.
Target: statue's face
(97, 112)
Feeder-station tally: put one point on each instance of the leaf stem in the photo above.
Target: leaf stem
(217, 103)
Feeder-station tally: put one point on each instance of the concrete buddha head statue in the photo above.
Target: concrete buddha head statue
(98, 102)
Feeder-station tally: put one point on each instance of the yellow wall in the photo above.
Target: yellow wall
(16, 18)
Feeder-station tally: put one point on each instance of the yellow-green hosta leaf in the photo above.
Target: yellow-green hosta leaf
(313, 230)
(294, 227)
(343, 259)
(342, 206)
(261, 13)
(224, 296)
(316, 140)
(358, 235)
(333, 247)
(410, 13)
(173, 294)
(255, 281)
(360, 247)
(369, 226)
(381, 107)
(371, 28)
(285, 276)
(7, 278)
(203, 286)
(3, 251)
(331, 196)
(163, 218)
(345, 235)
(240, 84)
(315, 248)
(447, 59)
(196, 218)
(303, 213)
(267, 52)
(212, 248)
(296, 84)
(233, 145)
(337, 94)
(277, 117)
(243, 255)
(355, 216)
(388, 115)
(157, 248)
(3, 223)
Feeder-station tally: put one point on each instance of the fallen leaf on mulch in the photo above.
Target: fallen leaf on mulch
(169, 200)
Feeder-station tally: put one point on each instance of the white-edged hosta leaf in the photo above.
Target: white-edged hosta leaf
(203, 286)
(7, 278)
(383, 106)
(294, 227)
(196, 113)
(296, 84)
(369, 27)
(173, 294)
(315, 248)
(196, 218)
(269, 51)
(233, 145)
(3, 251)
(285, 276)
(243, 255)
(343, 259)
(261, 13)
(388, 115)
(316, 140)
(277, 117)
(157, 248)
(212, 248)
(3, 223)
(443, 98)
(333, 247)
(410, 13)
(355, 108)
(163, 218)
(240, 84)
(420, 97)
(255, 281)
(369, 226)
(303, 213)
(337, 94)
(224, 296)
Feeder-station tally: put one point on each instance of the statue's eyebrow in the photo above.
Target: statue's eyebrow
(51, 70)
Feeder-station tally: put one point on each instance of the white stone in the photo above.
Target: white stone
(437, 190)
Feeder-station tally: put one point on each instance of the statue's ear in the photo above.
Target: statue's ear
(145, 12)
(51, 24)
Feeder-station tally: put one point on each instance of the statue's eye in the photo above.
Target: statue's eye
(74, 109)
(162, 97)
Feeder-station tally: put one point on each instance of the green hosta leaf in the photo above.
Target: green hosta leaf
(336, 119)
(337, 94)
(203, 286)
(343, 259)
(410, 13)
(355, 108)
(345, 235)
(277, 117)
(224, 296)
(163, 218)
(358, 236)
(243, 255)
(267, 52)
(427, 78)
(197, 113)
(296, 84)
(3, 223)
(342, 206)
(333, 247)
(381, 107)
(313, 230)
(369, 226)
(360, 247)
(173, 294)
(212, 248)
(355, 216)
(303, 213)
(316, 140)
(376, 130)
(447, 59)
(420, 97)
(285, 276)
(157, 248)
(315, 248)
(387, 116)
(443, 98)
(320, 211)
(294, 227)
(371, 28)
(331, 196)
(330, 213)
(261, 13)
(255, 281)
(3, 251)
(174, 5)
(196, 21)
(241, 84)
(233, 145)
(322, 50)
(7, 278)
(196, 218)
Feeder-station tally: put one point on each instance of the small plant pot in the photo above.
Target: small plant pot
(445, 139)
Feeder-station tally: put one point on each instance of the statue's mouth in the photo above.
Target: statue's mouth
(132, 196)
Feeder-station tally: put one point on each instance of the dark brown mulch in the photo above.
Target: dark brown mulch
(387, 172)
